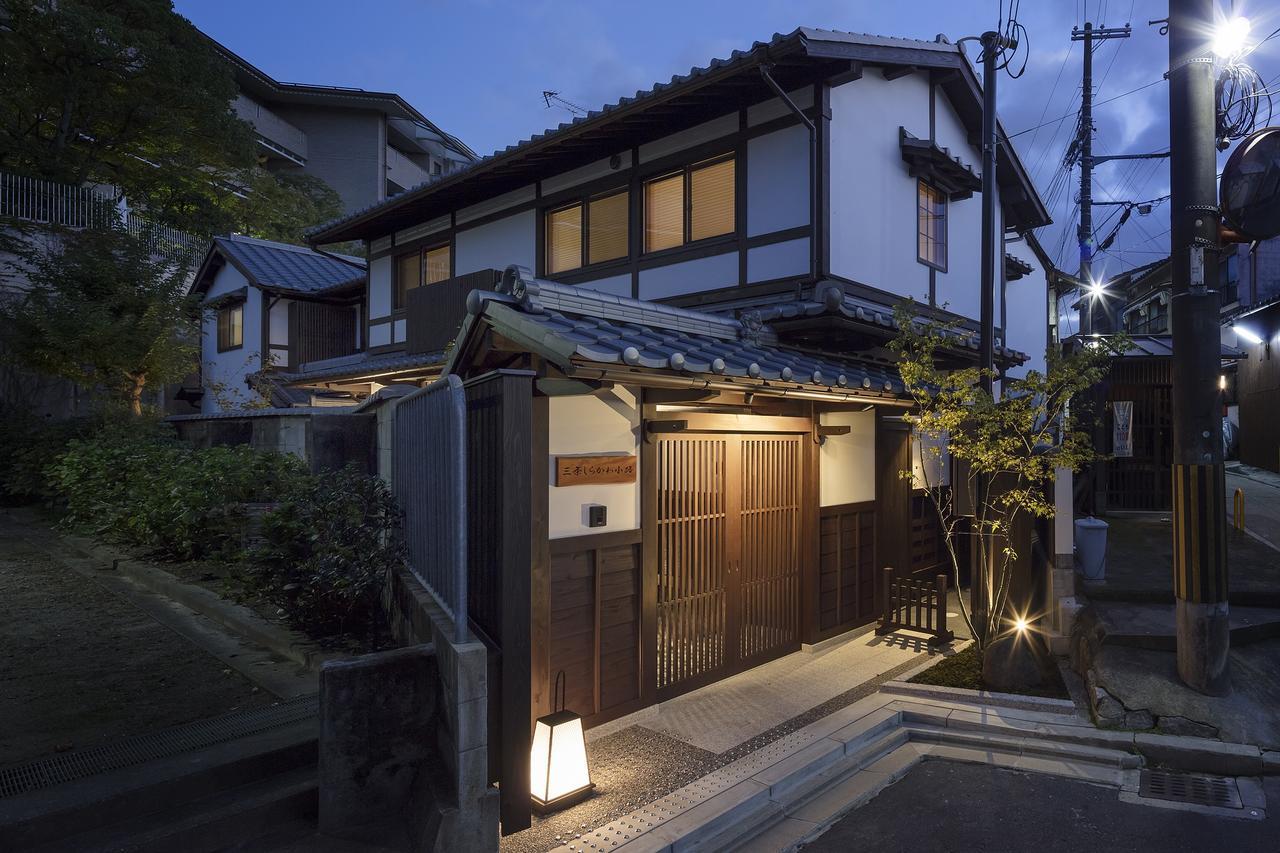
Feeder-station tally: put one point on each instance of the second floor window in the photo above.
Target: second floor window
(692, 204)
(231, 327)
(589, 232)
(419, 268)
(931, 226)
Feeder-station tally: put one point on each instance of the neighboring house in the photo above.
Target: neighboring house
(268, 308)
(367, 146)
(708, 288)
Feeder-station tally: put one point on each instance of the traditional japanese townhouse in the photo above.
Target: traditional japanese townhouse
(270, 307)
(686, 429)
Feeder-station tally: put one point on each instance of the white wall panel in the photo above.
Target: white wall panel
(847, 463)
(619, 285)
(598, 425)
(690, 276)
(778, 181)
(495, 245)
(380, 288)
(778, 260)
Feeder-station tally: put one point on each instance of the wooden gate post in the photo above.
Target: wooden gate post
(887, 621)
(943, 635)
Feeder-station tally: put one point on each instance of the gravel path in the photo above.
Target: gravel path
(79, 665)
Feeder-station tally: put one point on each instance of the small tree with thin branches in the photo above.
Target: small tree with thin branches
(1009, 447)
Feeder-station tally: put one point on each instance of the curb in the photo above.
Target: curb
(981, 697)
(236, 618)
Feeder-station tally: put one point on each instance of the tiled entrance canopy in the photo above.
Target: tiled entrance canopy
(577, 326)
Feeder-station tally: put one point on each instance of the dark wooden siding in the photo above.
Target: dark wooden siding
(846, 567)
(595, 622)
(320, 330)
(1141, 481)
(435, 311)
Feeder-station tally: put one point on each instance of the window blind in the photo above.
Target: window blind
(564, 239)
(437, 266)
(607, 222)
(664, 213)
(711, 200)
(408, 276)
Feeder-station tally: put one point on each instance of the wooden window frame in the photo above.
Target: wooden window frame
(224, 344)
(400, 297)
(583, 203)
(921, 186)
(687, 204)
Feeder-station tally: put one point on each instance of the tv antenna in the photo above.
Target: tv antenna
(553, 99)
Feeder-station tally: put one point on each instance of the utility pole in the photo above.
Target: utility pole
(993, 43)
(1093, 303)
(1199, 487)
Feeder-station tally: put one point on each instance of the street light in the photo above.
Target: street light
(1231, 36)
(1248, 334)
(1097, 289)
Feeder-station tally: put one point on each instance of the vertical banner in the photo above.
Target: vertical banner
(1122, 428)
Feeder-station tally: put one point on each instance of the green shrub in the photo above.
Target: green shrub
(31, 445)
(141, 486)
(328, 549)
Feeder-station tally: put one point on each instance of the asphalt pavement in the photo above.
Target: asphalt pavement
(976, 808)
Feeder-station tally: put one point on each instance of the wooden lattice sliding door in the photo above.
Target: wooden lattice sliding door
(769, 580)
(728, 519)
(693, 560)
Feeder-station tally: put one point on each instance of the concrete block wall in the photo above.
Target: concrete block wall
(462, 727)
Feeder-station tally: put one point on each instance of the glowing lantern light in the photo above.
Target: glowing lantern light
(558, 771)
(1020, 625)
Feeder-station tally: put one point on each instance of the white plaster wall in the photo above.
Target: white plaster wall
(229, 369)
(593, 425)
(380, 288)
(690, 276)
(960, 287)
(496, 245)
(924, 461)
(847, 463)
(778, 181)
(873, 199)
(1027, 311)
(379, 334)
(778, 260)
(400, 328)
(705, 132)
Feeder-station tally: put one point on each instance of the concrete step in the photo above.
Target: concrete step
(162, 786)
(228, 820)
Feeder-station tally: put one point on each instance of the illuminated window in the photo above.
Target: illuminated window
(231, 327)
(419, 268)
(691, 205)
(587, 233)
(931, 226)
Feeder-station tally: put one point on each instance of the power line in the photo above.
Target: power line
(1096, 104)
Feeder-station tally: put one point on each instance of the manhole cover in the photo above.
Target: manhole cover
(1193, 788)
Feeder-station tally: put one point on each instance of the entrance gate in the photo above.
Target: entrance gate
(729, 523)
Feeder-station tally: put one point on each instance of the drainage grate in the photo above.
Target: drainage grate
(1194, 788)
(127, 752)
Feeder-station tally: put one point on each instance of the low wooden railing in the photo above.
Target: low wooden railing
(915, 605)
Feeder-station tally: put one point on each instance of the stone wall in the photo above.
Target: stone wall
(461, 729)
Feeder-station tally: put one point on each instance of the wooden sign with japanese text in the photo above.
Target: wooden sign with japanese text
(594, 470)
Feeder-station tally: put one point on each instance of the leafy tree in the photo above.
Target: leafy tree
(1010, 447)
(129, 94)
(107, 309)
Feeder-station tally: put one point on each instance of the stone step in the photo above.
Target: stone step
(226, 820)
(148, 789)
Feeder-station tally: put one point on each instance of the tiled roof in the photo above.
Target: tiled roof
(359, 365)
(581, 327)
(947, 54)
(295, 269)
(1154, 346)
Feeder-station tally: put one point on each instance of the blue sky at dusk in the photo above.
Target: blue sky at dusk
(478, 68)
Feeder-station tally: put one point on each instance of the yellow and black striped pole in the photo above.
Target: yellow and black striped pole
(1199, 487)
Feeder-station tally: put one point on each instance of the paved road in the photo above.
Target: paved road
(972, 808)
(1261, 501)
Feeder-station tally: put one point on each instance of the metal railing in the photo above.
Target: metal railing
(431, 485)
(45, 202)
